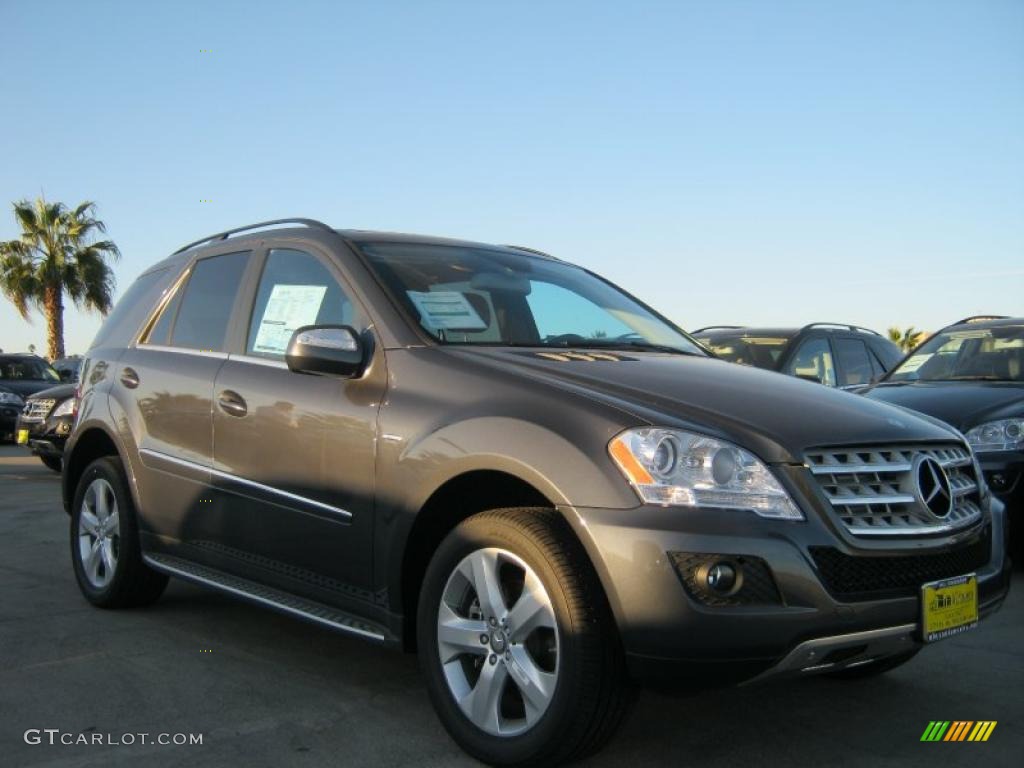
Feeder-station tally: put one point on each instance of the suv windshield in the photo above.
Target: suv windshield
(26, 369)
(762, 351)
(467, 295)
(967, 354)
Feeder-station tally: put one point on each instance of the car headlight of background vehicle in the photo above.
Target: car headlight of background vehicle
(1002, 435)
(66, 408)
(10, 398)
(678, 468)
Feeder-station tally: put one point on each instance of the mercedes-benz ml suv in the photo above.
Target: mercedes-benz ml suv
(509, 464)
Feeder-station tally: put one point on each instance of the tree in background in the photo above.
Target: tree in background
(57, 254)
(906, 339)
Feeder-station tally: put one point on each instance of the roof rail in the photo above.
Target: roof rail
(717, 328)
(534, 251)
(981, 319)
(311, 223)
(847, 326)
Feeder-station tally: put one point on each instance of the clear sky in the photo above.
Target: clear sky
(730, 162)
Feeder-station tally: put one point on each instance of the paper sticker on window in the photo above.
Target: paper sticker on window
(915, 362)
(289, 307)
(446, 310)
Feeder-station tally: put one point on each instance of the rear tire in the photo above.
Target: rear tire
(52, 462)
(875, 668)
(554, 671)
(105, 549)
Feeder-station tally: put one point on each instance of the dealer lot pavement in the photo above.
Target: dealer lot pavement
(266, 690)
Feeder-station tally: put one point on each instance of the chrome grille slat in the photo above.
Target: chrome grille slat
(872, 490)
(37, 410)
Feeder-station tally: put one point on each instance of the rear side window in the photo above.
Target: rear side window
(202, 319)
(813, 360)
(296, 289)
(132, 309)
(854, 361)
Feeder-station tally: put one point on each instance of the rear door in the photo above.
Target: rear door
(294, 453)
(162, 396)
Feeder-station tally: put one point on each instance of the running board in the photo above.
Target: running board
(272, 598)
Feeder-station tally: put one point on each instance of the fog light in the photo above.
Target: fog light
(721, 577)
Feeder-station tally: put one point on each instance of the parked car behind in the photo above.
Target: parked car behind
(45, 423)
(20, 376)
(834, 354)
(67, 368)
(971, 375)
(512, 466)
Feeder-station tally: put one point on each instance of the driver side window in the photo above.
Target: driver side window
(814, 360)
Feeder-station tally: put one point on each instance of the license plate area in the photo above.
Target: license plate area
(22, 438)
(949, 607)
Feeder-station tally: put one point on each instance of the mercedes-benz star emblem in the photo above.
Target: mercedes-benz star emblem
(933, 487)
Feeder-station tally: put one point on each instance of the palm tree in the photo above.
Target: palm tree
(57, 254)
(906, 339)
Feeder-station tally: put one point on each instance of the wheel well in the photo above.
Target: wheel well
(449, 505)
(91, 445)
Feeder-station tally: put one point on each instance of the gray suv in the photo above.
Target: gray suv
(510, 465)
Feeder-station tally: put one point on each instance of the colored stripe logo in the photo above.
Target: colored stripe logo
(959, 730)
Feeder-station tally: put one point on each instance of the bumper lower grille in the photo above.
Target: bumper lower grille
(874, 577)
(878, 491)
(37, 410)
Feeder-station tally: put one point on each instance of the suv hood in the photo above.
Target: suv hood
(777, 416)
(25, 387)
(60, 392)
(964, 404)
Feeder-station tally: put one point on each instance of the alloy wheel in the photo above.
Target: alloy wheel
(498, 642)
(98, 533)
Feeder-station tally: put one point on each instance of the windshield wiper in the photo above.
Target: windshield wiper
(978, 377)
(639, 346)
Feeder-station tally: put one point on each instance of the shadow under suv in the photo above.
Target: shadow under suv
(505, 462)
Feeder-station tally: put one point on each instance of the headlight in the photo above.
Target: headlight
(67, 408)
(1004, 435)
(673, 467)
(10, 398)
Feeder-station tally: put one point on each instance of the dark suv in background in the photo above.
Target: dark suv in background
(834, 354)
(509, 464)
(21, 375)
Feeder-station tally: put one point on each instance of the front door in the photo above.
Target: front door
(294, 453)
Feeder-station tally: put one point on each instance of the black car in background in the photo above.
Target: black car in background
(20, 376)
(971, 375)
(67, 367)
(45, 423)
(834, 354)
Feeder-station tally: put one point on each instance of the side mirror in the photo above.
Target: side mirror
(327, 350)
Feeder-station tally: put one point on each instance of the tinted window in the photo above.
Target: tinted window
(748, 348)
(26, 368)
(296, 289)
(202, 320)
(132, 309)
(853, 358)
(814, 360)
(160, 333)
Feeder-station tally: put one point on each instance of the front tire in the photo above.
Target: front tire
(517, 642)
(105, 549)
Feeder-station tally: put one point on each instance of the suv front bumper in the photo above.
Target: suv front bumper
(797, 614)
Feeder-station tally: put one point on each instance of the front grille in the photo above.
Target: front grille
(37, 410)
(879, 576)
(874, 491)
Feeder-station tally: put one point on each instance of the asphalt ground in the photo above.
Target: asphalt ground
(266, 690)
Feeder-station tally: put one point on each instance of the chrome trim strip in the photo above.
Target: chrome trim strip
(184, 351)
(842, 469)
(170, 569)
(259, 361)
(863, 501)
(252, 483)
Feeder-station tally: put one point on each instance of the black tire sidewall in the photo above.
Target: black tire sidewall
(470, 536)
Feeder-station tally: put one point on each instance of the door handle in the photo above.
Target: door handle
(129, 378)
(232, 403)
